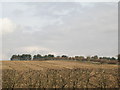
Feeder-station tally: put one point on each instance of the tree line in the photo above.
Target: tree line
(63, 57)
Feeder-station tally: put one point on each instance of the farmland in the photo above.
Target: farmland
(58, 74)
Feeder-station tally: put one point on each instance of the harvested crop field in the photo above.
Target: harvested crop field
(41, 65)
(58, 74)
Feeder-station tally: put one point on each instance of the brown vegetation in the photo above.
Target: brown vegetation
(58, 74)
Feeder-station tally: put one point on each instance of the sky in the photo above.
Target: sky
(69, 28)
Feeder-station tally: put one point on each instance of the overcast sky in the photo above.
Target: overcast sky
(70, 28)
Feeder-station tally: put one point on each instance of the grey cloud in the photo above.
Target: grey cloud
(64, 28)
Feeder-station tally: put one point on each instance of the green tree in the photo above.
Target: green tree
(50, 56)
(88, 58)
(64, 57)
(81, 57)
(37, 57)
(77, 58)
(26, 57)
(14, 57)
(118, 56)
(95, 57)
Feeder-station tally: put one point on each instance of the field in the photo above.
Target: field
(58, 74)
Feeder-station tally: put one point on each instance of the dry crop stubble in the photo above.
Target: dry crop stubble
(58, 74)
